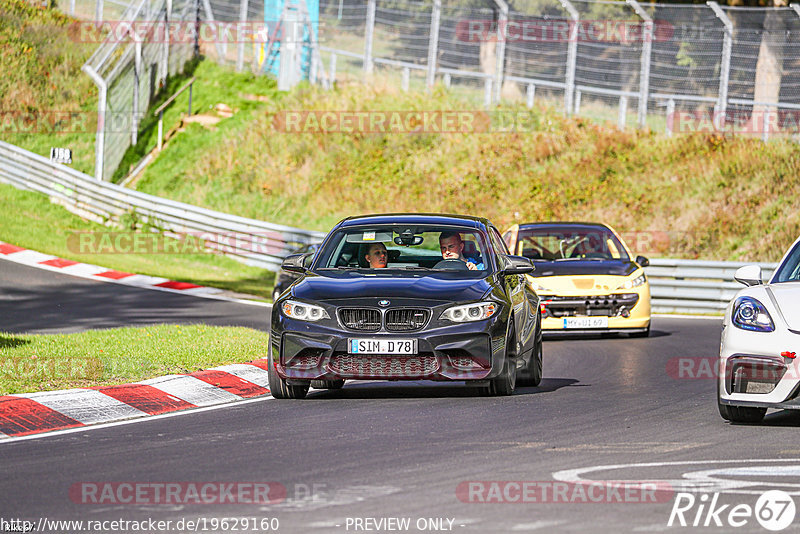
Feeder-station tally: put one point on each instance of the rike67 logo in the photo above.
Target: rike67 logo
(774, 510)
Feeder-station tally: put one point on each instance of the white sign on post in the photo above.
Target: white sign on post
(61, 155)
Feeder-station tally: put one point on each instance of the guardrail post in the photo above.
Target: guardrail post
(369, 31)
(333, 69)
(502, 32)
(644, 72)
(577, 101)
(433, 43)
(623, 112)
(239, 35)
(725, 66)
(446, 80)
(572, 55)
(530, 95)
(487, 92)
(406, 78)
(72, 7)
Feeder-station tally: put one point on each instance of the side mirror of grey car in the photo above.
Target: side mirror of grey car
(296, 263)
(749, 275)
(516, 265)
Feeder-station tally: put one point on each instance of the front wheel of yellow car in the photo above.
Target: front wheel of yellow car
(646, 333)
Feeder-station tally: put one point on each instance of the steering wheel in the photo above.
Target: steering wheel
(452, 265)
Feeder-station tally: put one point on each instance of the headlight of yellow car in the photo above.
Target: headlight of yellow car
(634, 282)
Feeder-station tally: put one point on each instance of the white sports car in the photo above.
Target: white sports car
(760, 343)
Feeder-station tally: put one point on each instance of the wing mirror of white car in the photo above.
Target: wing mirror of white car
(749, 275)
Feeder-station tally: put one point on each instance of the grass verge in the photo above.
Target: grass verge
(29, 220)
(30, 363)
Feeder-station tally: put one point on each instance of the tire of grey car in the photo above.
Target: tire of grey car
(327, 384)
(504, 383)
(740, 414)
(532, 374)
(278, 386)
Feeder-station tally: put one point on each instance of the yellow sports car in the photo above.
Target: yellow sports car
(586, 277)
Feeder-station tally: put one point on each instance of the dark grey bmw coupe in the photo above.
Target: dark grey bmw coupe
(407, 297)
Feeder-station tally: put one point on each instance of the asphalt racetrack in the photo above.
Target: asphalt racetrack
(416, 457)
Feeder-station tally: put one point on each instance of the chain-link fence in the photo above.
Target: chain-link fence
(669, 67)
(131, 65)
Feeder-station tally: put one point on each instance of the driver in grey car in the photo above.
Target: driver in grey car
(452, 247)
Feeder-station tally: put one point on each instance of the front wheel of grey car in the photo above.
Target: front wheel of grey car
(278, 386)
(504, 383)
(532, 374)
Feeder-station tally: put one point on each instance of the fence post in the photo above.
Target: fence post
(572, 55)
(100, 137)
(623, 112)
(137, 72)
(577, 101)
(487, 92)
(530, 95)
(165, 58)
(670, 116)
(725, 66)
(406, 79)
(502, 32)
(98, 12)
(72, 7)
(239, 35)
(644, 73)
(433, 43)
(210, 18)
(333, 69)
(368, 33)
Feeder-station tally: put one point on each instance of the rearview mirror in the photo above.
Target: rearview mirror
(749, 275)
(516, 265)
(296, 263)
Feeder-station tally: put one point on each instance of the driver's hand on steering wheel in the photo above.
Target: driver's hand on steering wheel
(471, 266)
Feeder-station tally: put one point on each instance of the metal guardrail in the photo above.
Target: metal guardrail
(695, 286)
(676, 286)
(254, 242)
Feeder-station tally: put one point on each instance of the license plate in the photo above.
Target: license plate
(382, 346)
(585, 322)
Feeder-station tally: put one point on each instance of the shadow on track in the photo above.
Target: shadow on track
(559, 336)
(424, 389)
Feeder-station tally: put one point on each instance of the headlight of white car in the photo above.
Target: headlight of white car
(634, 282)
(470, 312)
(303, 311)
(750, 314)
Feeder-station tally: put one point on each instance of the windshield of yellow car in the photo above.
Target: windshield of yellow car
(562, 243)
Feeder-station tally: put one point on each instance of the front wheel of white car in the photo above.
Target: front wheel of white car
(739, 414)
